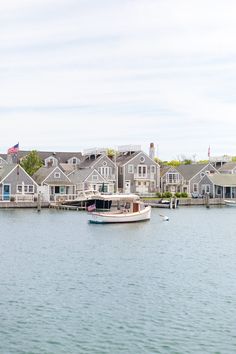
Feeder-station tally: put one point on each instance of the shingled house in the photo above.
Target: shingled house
(137, 172)
(186, 178)
(16, 184)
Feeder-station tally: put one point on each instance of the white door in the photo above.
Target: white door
(127, 186)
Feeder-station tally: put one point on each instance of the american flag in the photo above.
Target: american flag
(14, 149)
(91, 207)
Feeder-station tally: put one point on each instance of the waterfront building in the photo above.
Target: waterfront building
(137, 172)
(54, 184)
(221, 185)
(97, 159)
(186, 178)
(90, 179)
(16, 185)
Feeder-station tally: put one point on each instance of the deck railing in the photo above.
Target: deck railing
(18, 198)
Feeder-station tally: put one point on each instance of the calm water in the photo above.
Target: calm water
(156, 287)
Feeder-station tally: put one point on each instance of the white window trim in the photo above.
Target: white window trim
(130, 168)
(142, 175)
(174, 180)
(153, 169)
(57, 175)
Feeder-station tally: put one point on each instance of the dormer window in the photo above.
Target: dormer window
(57, 175)
(74, 161)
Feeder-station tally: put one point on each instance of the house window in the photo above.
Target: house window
(57, 175)
(142, 171)
(105, 171)
(195, 187)
(153, 169)
(218, 190)
(31, 189)
(130, 168)
(202, 174)
(57, 189)
(173, 178)
(74, 161)
(19, 188)
(104, 163)
(94, 177)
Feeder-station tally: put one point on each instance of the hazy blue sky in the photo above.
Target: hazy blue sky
(81, 73)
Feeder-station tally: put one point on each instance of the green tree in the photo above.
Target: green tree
(111, 153)
(32, 162)
(174, 163)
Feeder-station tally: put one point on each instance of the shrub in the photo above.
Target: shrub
(184, 195)
(177, 194)
(158, 194)
(166, 195)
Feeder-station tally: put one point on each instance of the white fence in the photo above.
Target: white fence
(18, 198)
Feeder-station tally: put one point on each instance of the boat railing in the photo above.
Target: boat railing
(63, 197)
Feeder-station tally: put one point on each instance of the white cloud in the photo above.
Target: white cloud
(155, 70)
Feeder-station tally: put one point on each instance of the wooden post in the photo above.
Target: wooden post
(207, 200)
(39, 202)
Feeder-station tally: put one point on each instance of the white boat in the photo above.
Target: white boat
(129, 209)
(230, 203)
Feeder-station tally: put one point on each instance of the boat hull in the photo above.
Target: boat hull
(231, 203)
(111, 218)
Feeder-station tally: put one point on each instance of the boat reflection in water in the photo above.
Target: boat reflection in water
(125, 208)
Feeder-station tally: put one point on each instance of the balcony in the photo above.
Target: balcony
(145, 177)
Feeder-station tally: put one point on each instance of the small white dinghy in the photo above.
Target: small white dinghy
(129, 209)
(230, 203)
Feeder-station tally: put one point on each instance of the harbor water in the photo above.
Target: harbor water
(67, 286)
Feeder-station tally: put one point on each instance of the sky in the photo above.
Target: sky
(77, 74)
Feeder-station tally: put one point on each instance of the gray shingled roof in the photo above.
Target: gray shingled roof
(124, 158)
(5, 170)
(188, 171)
(62, 157)
(227, 166)
(165, 169)
(80, 175)
(42, 173)
(90, 161)
(224, 180)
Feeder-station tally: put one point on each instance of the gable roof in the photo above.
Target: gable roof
(165, 169)
(189, 171)
(44, 172)
(89, 161)
(5, 170)
(82, 174)
(123, 158)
